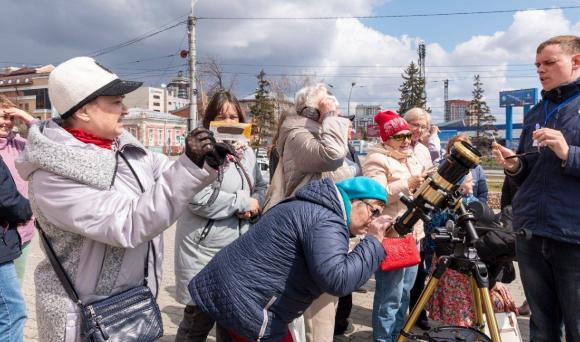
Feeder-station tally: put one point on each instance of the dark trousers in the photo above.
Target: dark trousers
(196, 325)
(342, 313)
(419, 286)
(550, 272)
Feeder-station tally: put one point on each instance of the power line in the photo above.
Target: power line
(141, 37)
(391, 16)
(145, 60)
(367, 66)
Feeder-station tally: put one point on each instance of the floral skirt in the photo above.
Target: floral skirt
(452, 302)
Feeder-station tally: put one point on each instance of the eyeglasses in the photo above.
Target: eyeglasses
(419, 127)
(401, 137)
(375, 212)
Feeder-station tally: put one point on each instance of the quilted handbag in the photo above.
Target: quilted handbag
(400, 253)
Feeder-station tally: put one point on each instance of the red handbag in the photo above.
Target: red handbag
(401, 252)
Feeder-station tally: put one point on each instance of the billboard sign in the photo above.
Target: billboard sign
(518, 98)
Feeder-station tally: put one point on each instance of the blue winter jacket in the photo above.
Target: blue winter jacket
(14, 210)
(269, 276)
(549, 188)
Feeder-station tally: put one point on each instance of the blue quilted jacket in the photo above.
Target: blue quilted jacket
(297, 251)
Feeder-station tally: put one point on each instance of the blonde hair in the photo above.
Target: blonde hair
(568, 43)
(5, 102)
(417, 113)
(453, 140)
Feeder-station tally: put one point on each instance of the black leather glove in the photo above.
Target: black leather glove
(219, 154)
(198, 144)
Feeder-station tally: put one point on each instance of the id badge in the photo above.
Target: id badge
(535, 142)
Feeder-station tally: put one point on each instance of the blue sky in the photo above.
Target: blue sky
(500, 47)
(452, 30)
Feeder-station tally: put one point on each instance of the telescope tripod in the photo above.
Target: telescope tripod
(465, 261)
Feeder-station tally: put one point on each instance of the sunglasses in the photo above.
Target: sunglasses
(375, 212)
(401, 137)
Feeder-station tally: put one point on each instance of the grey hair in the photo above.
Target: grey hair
(417, 114)
(310, 96)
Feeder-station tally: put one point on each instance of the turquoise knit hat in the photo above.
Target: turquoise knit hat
(360, 188)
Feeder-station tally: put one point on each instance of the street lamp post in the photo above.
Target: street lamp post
(349, 94)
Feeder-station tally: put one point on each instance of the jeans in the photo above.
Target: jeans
(550, 272)
(391, 302)
(12, 307)
(419, 285)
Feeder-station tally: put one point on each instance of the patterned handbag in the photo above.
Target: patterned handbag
(400, 253)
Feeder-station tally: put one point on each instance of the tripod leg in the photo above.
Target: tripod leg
(414, 315)
(477, 303)
(442, 265)
(489, 314)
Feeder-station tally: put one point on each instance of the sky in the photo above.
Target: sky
(370, 52)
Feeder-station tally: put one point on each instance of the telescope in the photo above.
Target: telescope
(437, 191)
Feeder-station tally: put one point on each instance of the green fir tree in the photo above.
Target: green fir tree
(263, 116)
(412, 90)
(480, 117)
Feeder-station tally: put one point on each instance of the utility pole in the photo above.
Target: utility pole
(349, 94)
(447, 116)
(421, 52)
(191, 22)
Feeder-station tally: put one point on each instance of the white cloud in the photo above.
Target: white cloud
(60, 29)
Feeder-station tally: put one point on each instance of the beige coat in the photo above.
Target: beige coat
(392, 169)
(308, 151)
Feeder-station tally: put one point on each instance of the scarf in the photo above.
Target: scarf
(89, 138)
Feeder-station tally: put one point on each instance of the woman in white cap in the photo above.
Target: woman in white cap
(99, 196)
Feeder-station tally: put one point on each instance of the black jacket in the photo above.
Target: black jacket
(14, 210)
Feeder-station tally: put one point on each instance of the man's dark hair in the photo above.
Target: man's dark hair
(569, 44)
(216, 103)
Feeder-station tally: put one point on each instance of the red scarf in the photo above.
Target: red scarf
(89, 138)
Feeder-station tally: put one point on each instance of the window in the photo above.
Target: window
(156, 104)
(42, 99)
(151, 137)
(160, 136)
(168, 137)
(156, 97)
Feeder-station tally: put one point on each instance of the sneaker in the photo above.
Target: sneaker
(341, 329)
(423, 324)
(524, 310)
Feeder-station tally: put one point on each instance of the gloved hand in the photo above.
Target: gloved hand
(219, 154)
(198, 144)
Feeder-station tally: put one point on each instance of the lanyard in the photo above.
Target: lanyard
(548, 116)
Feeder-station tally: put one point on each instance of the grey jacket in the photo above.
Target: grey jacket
(96, 218)
(204, 230)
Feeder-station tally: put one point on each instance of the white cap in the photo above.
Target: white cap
(80, 80)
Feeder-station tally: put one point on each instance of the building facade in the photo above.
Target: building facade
(27, 87)
(364, 124)
(159, 132)
(154, 99)
(457, 110)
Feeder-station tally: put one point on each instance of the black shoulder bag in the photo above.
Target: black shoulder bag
(132, 315)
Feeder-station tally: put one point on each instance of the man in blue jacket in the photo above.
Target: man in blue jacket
(14, 210)
(548, 175)
(297, 251)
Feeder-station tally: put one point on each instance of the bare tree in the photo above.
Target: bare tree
(216, 78)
